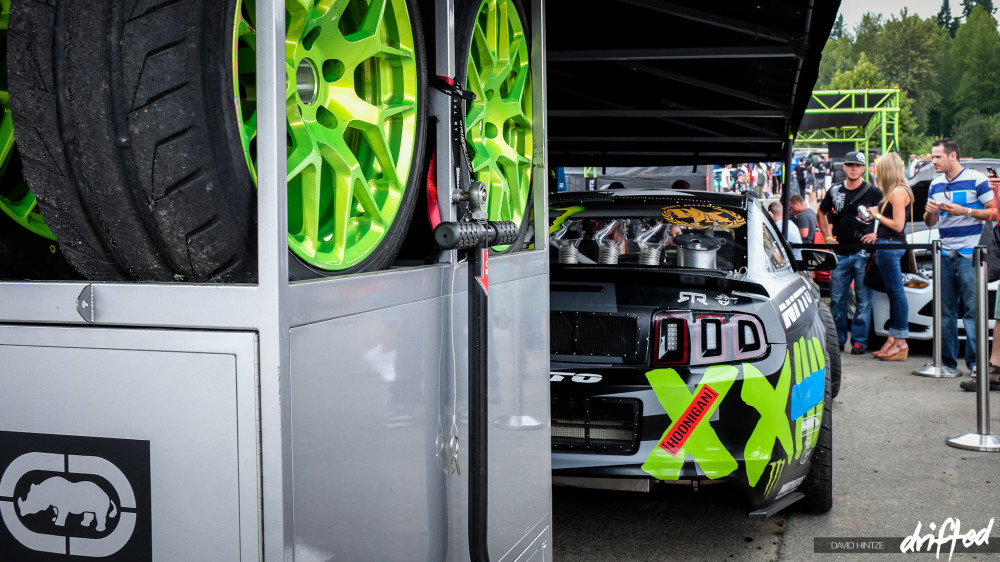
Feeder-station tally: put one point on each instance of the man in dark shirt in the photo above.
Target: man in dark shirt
(823, 173)
(841, 223)
(805, 218)
(800, 177)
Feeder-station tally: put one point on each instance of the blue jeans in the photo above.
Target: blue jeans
(899, 308)
(851, 268)
(958, 281)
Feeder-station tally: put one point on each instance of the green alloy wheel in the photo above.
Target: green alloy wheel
(163, 186)
(498, 122)
(354, 100)
(27, 247)
(16, 200)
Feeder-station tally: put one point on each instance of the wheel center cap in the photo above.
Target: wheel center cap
(307, 81)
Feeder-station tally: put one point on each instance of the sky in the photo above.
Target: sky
(852, 10)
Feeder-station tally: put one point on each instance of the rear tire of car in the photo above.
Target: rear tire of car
(818, 486)
(832, 349)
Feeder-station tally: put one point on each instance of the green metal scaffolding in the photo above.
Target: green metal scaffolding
(856, 116)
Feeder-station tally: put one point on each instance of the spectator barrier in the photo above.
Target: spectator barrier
(982, 440)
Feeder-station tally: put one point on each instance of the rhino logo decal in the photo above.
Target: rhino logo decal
(67, 497)
(79, 498)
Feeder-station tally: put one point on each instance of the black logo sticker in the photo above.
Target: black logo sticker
(72, 498)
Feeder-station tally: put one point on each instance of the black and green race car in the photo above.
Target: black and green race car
(687, 346)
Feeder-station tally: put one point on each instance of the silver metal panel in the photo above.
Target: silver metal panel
(315, 301)
(540, 550)
(190, 395)
(366, 399)
(519, 450)
(272, 267)
(380, 445)
(234, 307)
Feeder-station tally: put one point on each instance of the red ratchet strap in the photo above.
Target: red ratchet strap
(433, 212)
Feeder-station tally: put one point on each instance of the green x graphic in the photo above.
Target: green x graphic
(772, 403)
(703, 444)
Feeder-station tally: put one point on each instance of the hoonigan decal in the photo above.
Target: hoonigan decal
(790, 414)
(681, 429)
(702, 216)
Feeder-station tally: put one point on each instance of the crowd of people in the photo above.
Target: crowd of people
(810, 180)
(856, 214)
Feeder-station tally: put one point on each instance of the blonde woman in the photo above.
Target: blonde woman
(891, 216)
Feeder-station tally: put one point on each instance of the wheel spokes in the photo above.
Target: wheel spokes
(351, 100)
(498, 121)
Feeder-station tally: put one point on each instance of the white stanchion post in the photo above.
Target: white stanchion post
(982, 440)
(935, 368)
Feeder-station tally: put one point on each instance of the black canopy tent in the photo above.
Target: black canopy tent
(649, 82)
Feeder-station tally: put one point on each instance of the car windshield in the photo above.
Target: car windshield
(681, 234)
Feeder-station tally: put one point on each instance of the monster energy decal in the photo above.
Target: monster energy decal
(790, 413)
(777, 467)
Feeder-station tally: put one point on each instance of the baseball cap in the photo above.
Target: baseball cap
(854, 158)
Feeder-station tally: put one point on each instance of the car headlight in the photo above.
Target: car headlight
(914, 281)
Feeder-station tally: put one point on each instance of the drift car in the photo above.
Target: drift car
(686, 346)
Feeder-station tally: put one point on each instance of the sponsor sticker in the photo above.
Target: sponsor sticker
(74, 498)
(680, 430)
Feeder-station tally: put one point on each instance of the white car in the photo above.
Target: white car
(919, 289)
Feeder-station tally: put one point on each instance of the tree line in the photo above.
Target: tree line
(948, 71)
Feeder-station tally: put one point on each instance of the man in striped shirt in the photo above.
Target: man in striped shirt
(960, 200)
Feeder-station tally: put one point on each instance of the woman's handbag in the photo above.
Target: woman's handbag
(873, 275)
(908, 263)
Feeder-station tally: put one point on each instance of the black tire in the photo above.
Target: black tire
(48, 159)
(833, 349)
(134, 107)
(466, 20)
(24, 252)
(818, 485)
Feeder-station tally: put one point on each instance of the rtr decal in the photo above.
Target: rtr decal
(686, 296)
(74, 498)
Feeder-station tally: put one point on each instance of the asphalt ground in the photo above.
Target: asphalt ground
(892, 470)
